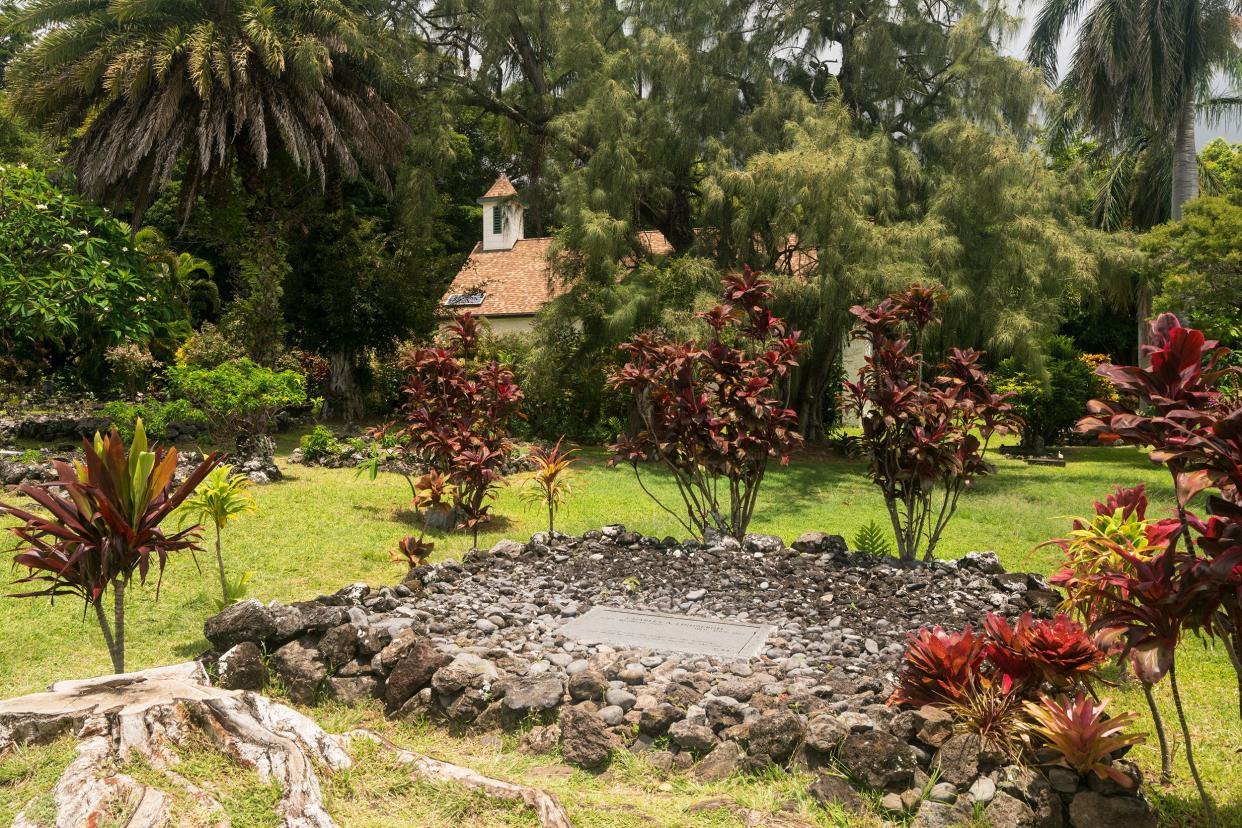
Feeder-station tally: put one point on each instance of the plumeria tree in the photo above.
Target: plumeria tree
(925, 439)
(714, 412)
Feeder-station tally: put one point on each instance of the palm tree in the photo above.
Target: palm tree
(1141, 71)
(144, 85)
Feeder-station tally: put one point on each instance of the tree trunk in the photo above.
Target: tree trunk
(224, 582)
(343, 385)
(118, 624)
(1166, 757)
(1208, 806)
(1185, 161)
(118, 662)
(1142, 314)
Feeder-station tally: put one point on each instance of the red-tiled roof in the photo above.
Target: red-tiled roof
(502, 188)
(518, 281)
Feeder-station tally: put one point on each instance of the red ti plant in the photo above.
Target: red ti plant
(103, 526)
(925, 440)
(456, 419)
(715, 412)
(1176, 407)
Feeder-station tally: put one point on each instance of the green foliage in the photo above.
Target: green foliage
(155, 413)
(99, 528)
(1048, 409)
(319, 443)
(871, 539)
(208, 348)
(238, 398)
(132, 364)
(71, 283)
(295, 81)
(221, 497)
(1200, 259)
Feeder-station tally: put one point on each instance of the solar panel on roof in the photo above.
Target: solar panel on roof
(464, 300)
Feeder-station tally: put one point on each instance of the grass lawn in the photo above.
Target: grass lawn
(320, 529)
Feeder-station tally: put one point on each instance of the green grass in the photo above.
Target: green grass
(322, 528)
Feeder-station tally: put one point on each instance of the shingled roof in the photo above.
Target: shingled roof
(518, 281)
(502, 187)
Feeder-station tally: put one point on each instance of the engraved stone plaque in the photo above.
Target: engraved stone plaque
(677, 633)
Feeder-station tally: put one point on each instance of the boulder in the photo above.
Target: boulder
(655, 721)
(584, 738)
(939, 815)
(242, 668)
(301, 668)
(353, 690)
(878, 760)
(720, 764)
(244, 621)
(985, 563)
(776, 734)
(538, 692)
(1010, 811)
(933, 726)
(961, 759)
(540, 740)
(1092, 810)
(833, 790)
(339, 645)
(762, 544)
(413, 672)
(586, 685)
(695, 738)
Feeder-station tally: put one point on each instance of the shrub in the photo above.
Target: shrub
(1049, 410)
(548, 484)
(714, 412)
(456, 419)
(102, 526)
(412, 551)
(925, 441)
(238, 398)
(221, 497)
(208, 348)
(940, 667)
(133, 364)
(320, 443)
(156, 414)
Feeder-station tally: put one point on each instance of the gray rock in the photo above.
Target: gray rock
(242, 668)
(961, 759)
(776, 734)
(764, 544)
(353, 690)
(339, 644)
(301, 669)
(655, 721)
(695, 738)
(939, 815)
(1092, 810)
(720, 764)
(1010, 811)
(507, 548)
(587, 684)
(983, 790)
(612, 715)
(833, 790)
(825, 733)
(541, 740)
(584, 739)
(985, 563)
(418, 663)
(534, 693)
(943, 792)
(623, 699)
(878, 760)
(244, 621)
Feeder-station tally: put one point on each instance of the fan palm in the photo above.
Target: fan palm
(144, 84)
(1141, 70)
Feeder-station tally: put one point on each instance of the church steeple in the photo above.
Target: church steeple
(502, 215)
